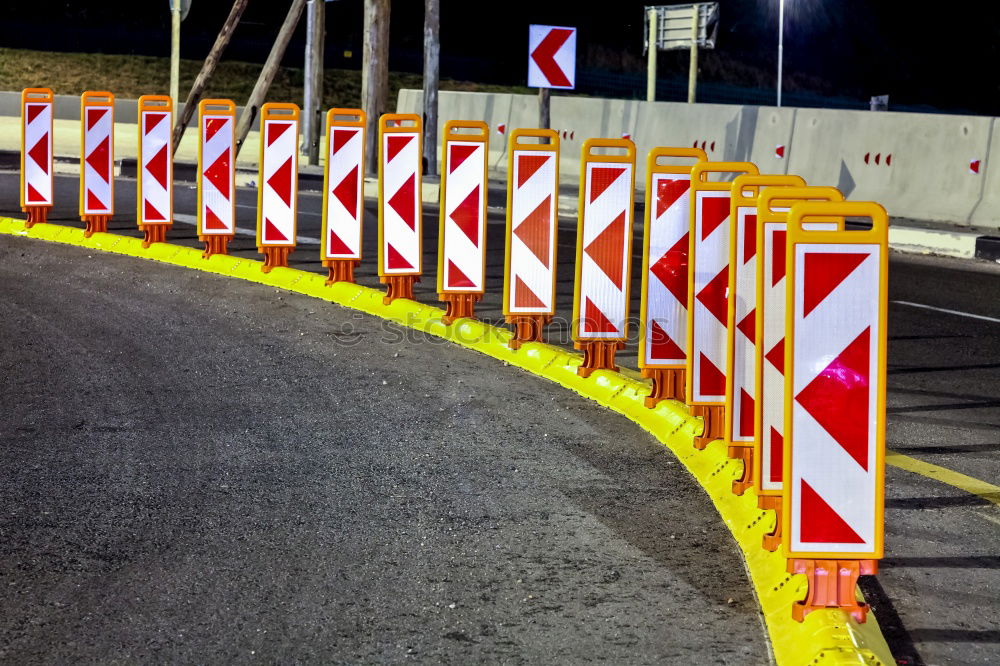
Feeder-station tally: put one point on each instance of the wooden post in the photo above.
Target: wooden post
(375, 74)
(252, 107)
(313, 79)
(175, 49)
(207, 69)
(432, 57)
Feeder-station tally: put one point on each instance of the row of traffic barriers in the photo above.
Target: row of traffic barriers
(760, 309)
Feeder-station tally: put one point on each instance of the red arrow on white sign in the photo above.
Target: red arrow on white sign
(551, 56)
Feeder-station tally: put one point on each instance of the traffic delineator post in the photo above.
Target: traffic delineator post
(708, 282)
(343, 193)
(400, 209)
(664, 301)
(769, 340)
(97, 160)
(461, 275)
(155, 178)
(37, 194)
(532, 229)
(603, 252)
(278, 186)
(835, 355)
(216, 174)
(741, 320)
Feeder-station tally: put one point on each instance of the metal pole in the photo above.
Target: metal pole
(544, 118)
(313, 79)
(252, 108)
(693, 71)
(781, 43)
(651, 57)
(207, 69)
(432, 62)
(175, 49)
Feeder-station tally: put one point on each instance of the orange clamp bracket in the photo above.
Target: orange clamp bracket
(663, 304)
(742, 289)
(603, 251)
(400, 205)
(769, 340)
(216, 174)
(835, 359)
(97, 160)
(344, 179)
(708, 280)
(532, 230)
(37, 194)
(278, 184)
(461, 275)
(155, 172)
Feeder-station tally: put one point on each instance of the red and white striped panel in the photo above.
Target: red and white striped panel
(665, 337)
(97, 168)
(279, 184)
(36, 185)
(533, 198)
(157, 173)
(464, 219)
(836, 362)
(744, 302)
(400, 201)
(604, 261)
(218, 200)
(709, 348)
(773, 308)
(345, 198)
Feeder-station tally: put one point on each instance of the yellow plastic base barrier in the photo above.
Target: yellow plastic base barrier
(825, 637)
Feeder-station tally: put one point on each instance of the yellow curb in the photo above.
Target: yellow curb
(825, 637)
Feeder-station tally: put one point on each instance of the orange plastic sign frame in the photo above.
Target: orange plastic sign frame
(97, 153)
(216, 168)
(663, 302)
(400, 206)
(278, 176)
(834, 466)
(343, 185)
(461, 265)
(154, 181)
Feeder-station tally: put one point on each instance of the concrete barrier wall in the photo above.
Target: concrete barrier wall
(916, 165)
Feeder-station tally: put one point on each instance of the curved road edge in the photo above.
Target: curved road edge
(827, 636)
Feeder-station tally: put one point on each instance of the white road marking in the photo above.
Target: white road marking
(947, 311)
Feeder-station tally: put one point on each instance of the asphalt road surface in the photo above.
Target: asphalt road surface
(198, 469)
(938, 593)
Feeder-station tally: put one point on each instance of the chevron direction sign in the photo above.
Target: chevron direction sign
(551, 57)
(277, 193)
(462, 238)
(835, 361)
(769, 330)
(97, 153)
(155, 201)
(216, 168)
(532, 197)
(663, 307)
(399, 203)
(708, 270)
(343, 196)
(604, 241)
(741, 326)
(36, 147)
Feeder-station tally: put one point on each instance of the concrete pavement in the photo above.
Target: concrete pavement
(201, 470)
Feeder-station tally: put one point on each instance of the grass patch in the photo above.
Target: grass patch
(129, 76)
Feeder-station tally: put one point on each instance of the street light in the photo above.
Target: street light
(781, 43)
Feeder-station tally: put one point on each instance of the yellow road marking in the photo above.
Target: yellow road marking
(987, 491)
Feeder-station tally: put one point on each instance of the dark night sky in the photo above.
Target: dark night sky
(915, 52)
